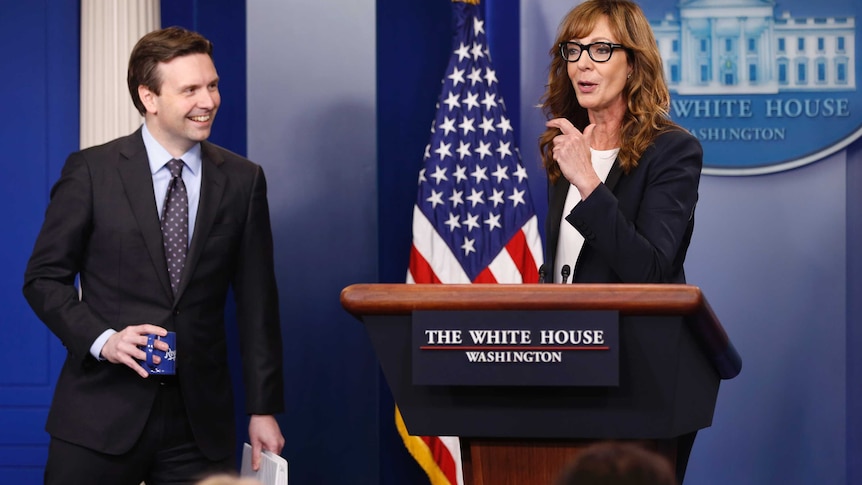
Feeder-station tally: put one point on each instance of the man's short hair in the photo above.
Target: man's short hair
(156, 47)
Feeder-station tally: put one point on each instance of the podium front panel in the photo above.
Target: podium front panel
(667, 387)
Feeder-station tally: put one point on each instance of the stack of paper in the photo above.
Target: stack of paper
(272, 471)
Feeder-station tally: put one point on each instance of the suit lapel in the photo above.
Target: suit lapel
(134, 169)
(555, 214)
(614, 175)
(212, 188)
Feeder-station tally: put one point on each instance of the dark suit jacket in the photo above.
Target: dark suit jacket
(637, 227)
(102, 226)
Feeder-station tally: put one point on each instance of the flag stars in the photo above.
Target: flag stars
(427, 154)
(521, 173)
(490, 76)
(460, 171)
(496, 197)
(453, 222)
(475, 76)
(468, 246)
(452, 101)
(475, 197)
(517, 197)
(490, 101)
(466, 125)
(462, 52)
(435, 199)
(478, 26)
(457, 76)
(472, 222)
(448, 125)
(504, 125)
(443, 150)
(439, 174)
(483, 150)
(500, 173)
(422, 176)
(471, 101)
(456, 198)
(503, 149)
(493, 221)
(477, 51)
(463, 150)
(487, 125)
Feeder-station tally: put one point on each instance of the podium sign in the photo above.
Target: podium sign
(515, 348)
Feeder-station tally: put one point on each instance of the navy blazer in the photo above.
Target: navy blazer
(102, 226)
(637, 227)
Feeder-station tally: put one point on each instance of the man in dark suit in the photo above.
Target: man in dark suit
(110, 421)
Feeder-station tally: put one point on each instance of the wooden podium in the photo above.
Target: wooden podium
(673, 353)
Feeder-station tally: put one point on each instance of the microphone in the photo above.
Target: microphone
(542, 270)
(565, 272)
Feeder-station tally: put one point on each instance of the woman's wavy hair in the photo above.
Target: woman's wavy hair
(645, 93)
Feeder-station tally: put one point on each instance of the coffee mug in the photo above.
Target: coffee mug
(168, 363)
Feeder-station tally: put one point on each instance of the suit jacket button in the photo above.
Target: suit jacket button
(176, 312)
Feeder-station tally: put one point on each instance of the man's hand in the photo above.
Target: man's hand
(264, 434)
(124, 346)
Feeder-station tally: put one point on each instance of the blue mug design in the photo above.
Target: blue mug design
(168, 363)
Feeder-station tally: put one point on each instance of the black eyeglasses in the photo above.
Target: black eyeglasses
(598, 51)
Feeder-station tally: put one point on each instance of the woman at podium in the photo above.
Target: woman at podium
(623, 177)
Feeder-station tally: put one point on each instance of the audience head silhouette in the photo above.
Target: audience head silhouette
(226, 479)
(613, 463)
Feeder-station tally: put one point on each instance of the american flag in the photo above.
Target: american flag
(473, 221)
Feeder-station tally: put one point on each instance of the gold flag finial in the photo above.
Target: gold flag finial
(474, 2)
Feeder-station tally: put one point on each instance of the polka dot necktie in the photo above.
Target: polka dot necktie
(175, 223)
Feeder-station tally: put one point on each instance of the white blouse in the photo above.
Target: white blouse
(571, 241)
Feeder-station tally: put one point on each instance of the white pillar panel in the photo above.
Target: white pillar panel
(109, 31)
